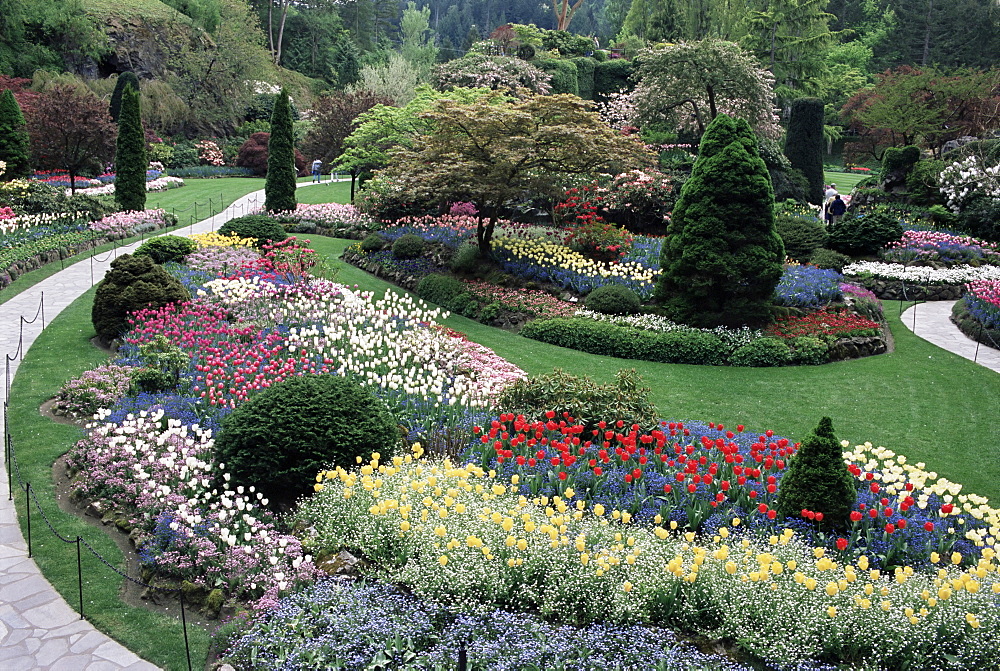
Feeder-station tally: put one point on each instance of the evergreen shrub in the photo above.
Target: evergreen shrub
(762, 352)
(802, 236)
(808, 351)
(260, 227)
(132, 283)
(612, 76)
(15, 149)
(279, 187)
(166, 248)
(373, 243)
(281, 438)
(804, 143)
(613, 299)
(585, 76)
(564, 75)
(408, 246)
(827, 259)
(440, 289)
(864, 234)
(466, 259)
(130, 154)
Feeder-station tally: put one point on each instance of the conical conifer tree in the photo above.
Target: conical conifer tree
(14, 148)
(124, 79)
(279, 187)
(130, 155)
(804, 144)
(817, 480)
(722, 256)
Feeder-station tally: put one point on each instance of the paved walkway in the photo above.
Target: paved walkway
(38, 629)
(931, 321)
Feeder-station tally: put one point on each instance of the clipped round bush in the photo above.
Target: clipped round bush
(280, 439)
(802, 235)
(166, 248)
(827, 259)
(440, 289)
(864, 234)
(132, 283)
(808, 351)
(613, 299)
(262, 228)
(408, 246)
(373, 243)
(762, 352)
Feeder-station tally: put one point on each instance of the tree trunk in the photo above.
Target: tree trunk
(484, 230)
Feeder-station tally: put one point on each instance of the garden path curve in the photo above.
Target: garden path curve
(38, 629)
(932, 322)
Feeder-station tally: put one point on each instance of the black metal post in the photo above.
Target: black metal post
(184, 626)
(27, 505)
(463, 661)
(79, 573)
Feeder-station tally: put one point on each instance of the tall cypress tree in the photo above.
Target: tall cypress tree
(130, 155)
(279, 188)
(14, 148)
(804, 144)
(722, 256)
(124, 79)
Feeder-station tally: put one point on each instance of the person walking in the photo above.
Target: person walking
(836, 209)
(317, 167)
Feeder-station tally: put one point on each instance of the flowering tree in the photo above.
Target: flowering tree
(492, 72)
(490, 153)
(690, 83)
(965, 181)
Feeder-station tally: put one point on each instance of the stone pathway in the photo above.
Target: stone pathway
(38, 629)
(931, 321)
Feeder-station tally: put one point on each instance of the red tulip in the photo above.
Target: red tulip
(841, 544)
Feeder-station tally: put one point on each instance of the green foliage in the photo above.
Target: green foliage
(613, 299)
(279, 189)
(14, 147)
(864, 234)
(373, 243)
(124, 79)
(581, 398)
(440, 289)
(898, 161)
(818, 480)
(205, 13)
(261, 227)
(132, 283)
(281, 438)
(166, 248)
(804, 144)
(598, 337)
(466, 259)
(130, 155)
(982, 220)
(408, 246)
(828, 259)
(922, 183)
(801, 235)
(808, 351)
(162, 366)
(722, 256)
(762, 352)
(564, 75)
(612, 76)
(566, 43)
(585, 66)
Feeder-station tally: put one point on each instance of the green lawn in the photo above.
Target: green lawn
(202, 198)
(845, 181)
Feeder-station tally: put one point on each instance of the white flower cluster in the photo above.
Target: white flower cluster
(970, 177)
(26, 221)
(921, 274)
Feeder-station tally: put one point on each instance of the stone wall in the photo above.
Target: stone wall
(896, 290)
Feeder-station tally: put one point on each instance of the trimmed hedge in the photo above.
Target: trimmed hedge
(585, 76)
(612, 76)
(564, 75)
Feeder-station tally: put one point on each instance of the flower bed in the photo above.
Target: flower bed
(895, 281)
(937, 248)
(977, 315)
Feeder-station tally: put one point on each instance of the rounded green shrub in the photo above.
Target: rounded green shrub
(408, 246)
(132, 283)
(466, 259)
(802, 235)
(613, 299)
(262, 228)
(280, 439)
(864, 234)
(762, 352)
(583, 399)
(809, 351)
(827, 259)
(692, 347)
(167, 248)
(818, 480)
(373, 243)
(440, 289)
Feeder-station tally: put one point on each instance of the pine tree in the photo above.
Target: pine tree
(130, 155)
(817, 480)
(14, 147)
(722, 256)
(124, 79)
(804, 144)
(279, 188)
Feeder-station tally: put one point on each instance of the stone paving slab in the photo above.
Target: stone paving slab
(932, 322)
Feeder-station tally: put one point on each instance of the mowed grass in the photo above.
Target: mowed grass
(845, 181)
(62, 351)
(920, 400)
(200, 199)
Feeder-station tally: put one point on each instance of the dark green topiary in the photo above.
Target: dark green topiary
(897, 163)
(762, 352)
(279, 187)
(130, 155)
(613, 299)
(922, 183)
(802, 236)
(15, 150)
(373, 243)
(817, 480)
(585, 76)
(280, 439)
(408, 246)
(260, 227)
(564, 75)
(583, 399)
(124, 79)
(167, 248)
(864, 234)
(612, 76)
(132, 283)
(828, 259)
(804, 144)
(722, 256)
